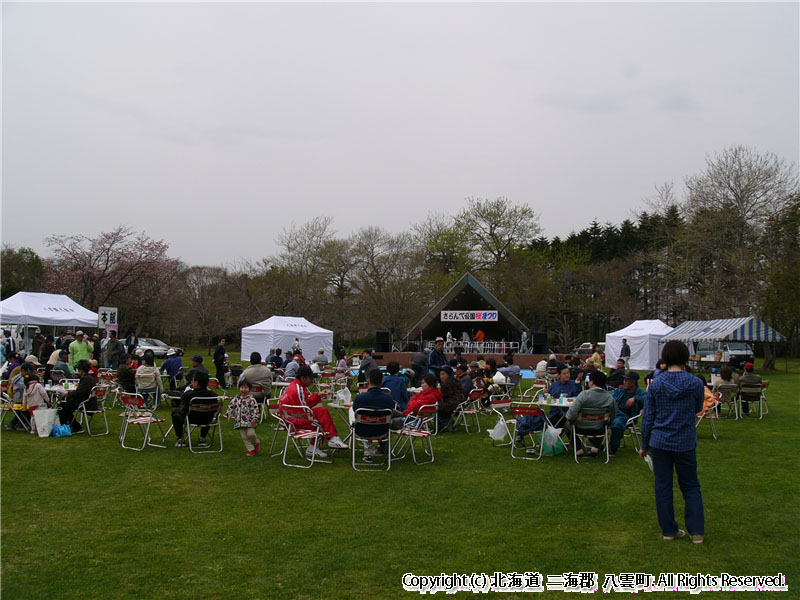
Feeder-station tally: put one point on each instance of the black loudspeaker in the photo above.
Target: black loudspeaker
(383, 341)
(539, 343)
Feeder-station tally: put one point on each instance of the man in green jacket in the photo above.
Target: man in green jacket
(80, 349)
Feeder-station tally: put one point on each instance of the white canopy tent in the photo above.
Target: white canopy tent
(643, 338)
(280, 332)
(33, 308)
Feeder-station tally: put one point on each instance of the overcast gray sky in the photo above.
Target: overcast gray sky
(214, 126)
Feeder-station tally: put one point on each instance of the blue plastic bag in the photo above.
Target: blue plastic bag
(61, 431)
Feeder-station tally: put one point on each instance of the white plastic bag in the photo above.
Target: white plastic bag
(499, 432)
(44, 419)
(498, 378)
(552, 444)
(343, 396)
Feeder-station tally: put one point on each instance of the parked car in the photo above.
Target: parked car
(585, 349)
(739, 352)
(158, 347)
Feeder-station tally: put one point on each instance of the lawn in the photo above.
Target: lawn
(83, 518)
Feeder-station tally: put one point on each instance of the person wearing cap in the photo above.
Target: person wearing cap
(80, 349)
(464, 379)
(617, 374)
(320, 358)
(62, 365)
(197, 367)
(436, 358)
(290, 370)
(367, 364)
(47, 349)
(748, 378)
(115, 350)
(96, 348)
(257, 374)
(297, 395)
(172, 368)
(630, 399)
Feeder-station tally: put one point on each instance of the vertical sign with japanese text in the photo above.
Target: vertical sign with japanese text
(107, 318)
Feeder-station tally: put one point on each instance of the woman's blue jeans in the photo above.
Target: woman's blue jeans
(685, 465)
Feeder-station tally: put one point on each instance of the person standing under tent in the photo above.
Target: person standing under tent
(625, 353)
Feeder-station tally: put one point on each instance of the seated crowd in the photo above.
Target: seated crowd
(445, 383)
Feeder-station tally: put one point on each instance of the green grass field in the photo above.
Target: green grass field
(84, 518)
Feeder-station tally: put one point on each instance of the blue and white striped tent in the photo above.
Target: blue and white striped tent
(744, 329)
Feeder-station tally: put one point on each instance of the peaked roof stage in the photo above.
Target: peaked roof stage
(468, 294)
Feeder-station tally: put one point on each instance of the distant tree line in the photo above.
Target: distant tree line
(726, 244)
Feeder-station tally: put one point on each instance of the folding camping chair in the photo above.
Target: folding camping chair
(301, 436)
(521, 410)
(711, 414)
(593, 417)
(99, 394)
(727, 394)
(137, 413)
(416, 427)
(197, 408)
(372, 417)
(753, 394)
(500, 404)
(468, 409)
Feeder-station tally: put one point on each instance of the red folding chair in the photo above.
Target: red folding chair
(137, 413)
(300, 437)
(500, 404)
(468, 409)
(416, 428)
(520, 410)
(99, 394)
(197, 408)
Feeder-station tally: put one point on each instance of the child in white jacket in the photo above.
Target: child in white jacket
(245, 412)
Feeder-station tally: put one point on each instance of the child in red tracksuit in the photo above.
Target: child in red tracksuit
(297, 395)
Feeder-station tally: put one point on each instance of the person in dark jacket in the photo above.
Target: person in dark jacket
(126, 376)
(81, 394)
(436, 358)
(452, 396)
(219, 360)
(377, 398)
(616, 376)
(463, 377)
(115, 351)
(397, 383)
(197, 367)
(203, 395)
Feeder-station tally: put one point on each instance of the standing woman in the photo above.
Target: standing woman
(668, 431)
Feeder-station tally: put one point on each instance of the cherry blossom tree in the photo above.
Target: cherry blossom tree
(117, 268)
